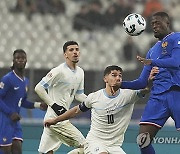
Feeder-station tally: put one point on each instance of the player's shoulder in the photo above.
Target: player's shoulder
(127, 91)
(174, 36)
(96, 93)
(8, 78)
(57, 69)
(9, 75)
(79, 69)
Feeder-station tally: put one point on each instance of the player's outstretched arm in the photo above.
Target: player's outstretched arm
(65, 116)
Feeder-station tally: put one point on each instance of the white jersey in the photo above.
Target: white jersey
(110, 115)
(63, 84)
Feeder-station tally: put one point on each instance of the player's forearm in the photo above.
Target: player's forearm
(139, 83)
(68, 114)
(27, 104)
(43, 95)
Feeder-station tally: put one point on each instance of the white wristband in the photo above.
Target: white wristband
(37, 105)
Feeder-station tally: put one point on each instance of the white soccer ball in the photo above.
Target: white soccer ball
(134, 24)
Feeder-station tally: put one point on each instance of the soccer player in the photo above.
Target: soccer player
(164, 101)
(111, 110)
(13, 96)
(63, 83)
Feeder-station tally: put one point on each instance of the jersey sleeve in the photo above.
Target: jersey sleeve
(176, 44)
(139, 83)
(4, 87)
(134, 95)
(172, 62)
(27, 104)
(87, 104)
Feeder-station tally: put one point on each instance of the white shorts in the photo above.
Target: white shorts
(95, 147)
(65, 132)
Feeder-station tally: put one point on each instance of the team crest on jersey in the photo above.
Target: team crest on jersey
(1, 85)
(164, 44)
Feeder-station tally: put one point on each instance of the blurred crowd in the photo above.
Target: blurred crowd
(30, 7)
(92, 14)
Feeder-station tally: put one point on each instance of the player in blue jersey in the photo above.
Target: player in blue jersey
(165, 94)
(13, 96)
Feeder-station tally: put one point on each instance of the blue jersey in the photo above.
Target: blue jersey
(165, 54)
(13, 94)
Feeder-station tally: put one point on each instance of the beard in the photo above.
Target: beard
(75, 61)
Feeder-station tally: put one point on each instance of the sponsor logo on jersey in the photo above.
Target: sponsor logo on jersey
(16, 88)
(4, 139)
(1, 85)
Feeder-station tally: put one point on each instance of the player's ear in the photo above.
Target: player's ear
(105, 79)
(65, 55)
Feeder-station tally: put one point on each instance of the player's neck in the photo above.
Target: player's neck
(19, 73)
(112, 91)
(71, 65)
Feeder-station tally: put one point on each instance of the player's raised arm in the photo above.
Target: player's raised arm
(67, 115)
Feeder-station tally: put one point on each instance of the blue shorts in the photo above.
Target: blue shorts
(9, 130)
(162, 106)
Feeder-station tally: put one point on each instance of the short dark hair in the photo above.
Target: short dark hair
(111, 68)
(162, 14)
(19, 51)
(68, 43)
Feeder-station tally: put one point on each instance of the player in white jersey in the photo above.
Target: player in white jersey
(63, 83)
(111, 110)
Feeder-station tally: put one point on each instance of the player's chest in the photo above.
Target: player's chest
(66, 79)
(19, 87)
(110, 106)
(161, 50)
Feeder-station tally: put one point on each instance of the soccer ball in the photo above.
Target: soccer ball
(134, 24)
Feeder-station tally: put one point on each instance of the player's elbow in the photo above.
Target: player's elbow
(38, 88)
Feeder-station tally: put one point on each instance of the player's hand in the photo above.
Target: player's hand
(58, 109)
(49, 122)
(15, 117)
(153, 72)
(144, 60)
(43, 106)
(152, 75)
